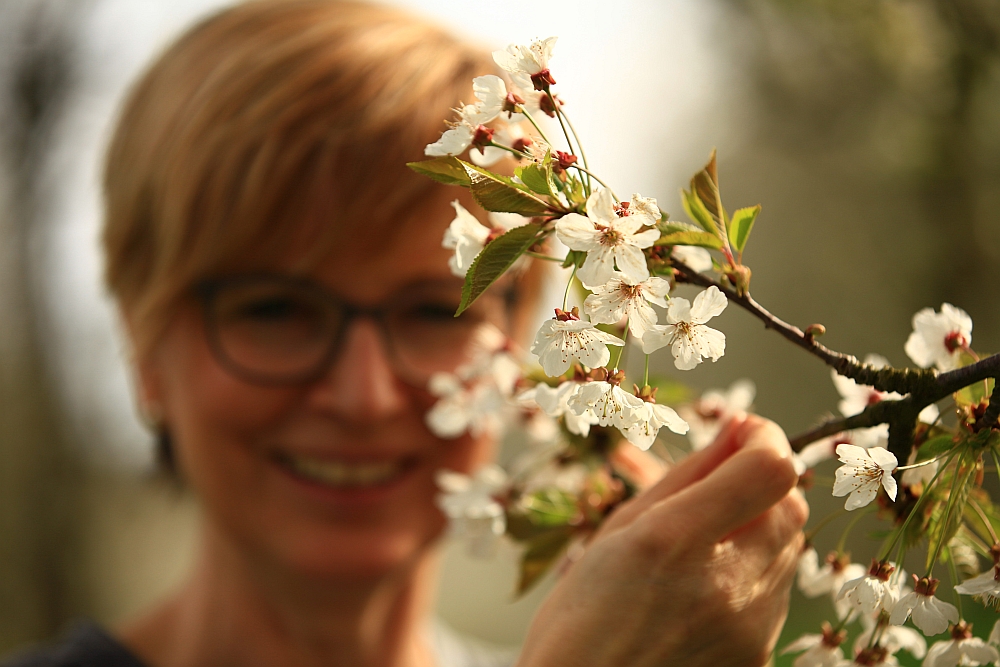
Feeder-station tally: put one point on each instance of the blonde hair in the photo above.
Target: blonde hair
(266, 116)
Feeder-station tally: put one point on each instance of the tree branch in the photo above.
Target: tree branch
(922, 386)
(903, 381)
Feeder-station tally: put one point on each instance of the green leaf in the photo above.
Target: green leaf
(537, 178)
(501, 195)
(498, 256)
(703, 239)
(935, 447)
(696, 210)
(741, 225)
(447, 170)
(542, 552)
(550, 507)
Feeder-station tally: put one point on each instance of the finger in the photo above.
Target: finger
(742, 488)
(764, 538)
(685, 473)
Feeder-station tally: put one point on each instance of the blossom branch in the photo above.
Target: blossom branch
(903, 381)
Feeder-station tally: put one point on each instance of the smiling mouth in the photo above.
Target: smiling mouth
(341, 474)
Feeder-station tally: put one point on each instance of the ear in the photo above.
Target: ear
(147, 379)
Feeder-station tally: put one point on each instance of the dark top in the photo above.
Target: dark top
(86, 645)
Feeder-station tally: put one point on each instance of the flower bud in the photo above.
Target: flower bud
(815, 330)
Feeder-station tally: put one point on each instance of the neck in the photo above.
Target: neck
(236, 611)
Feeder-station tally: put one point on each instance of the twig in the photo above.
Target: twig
(922, 387)
(902, 381)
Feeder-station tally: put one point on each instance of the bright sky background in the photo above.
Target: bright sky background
(642, 80)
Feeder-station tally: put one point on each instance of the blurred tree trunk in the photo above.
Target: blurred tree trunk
(39, 488)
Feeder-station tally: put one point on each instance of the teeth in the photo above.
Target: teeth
(344, 474)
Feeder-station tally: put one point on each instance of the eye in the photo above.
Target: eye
(433, 312)
(270, 309)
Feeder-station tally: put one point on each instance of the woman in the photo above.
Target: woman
(282, 281)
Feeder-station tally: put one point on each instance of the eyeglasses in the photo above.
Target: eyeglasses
(271, 329)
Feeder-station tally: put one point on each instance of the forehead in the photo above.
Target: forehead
(372, 262)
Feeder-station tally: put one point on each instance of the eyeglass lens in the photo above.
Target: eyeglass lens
(281, 330)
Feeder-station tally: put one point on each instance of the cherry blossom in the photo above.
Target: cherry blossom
(821, 650)
(567, 337)
(710, 413)
(554, 401)
(872, 592)
(814, 580)
(697, 258)
(864, 470)
(986, 585)
(929, 614)
(961, 649)
(467, 237)
(467, 130)
(856, 397)
(471, 506)
(610, 237)
(528, 66)
(510, 135)
(816, 452)
(612, 405)
(474, 408)
(938, 337)
(689, 339)
(624, 297)
(648, 419)
(892, 638)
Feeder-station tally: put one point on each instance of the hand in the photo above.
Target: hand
(695, 571)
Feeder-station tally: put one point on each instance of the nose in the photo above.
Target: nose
(361, 384)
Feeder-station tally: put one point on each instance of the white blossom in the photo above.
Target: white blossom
(689, 339)
(938, 336)
(470, 504)
(554, 401)
(985, 585)
(624, 297)
(699, 259)
(612, 405)
(820, 650)
(714, 408)
(893, 638)
(457, 138)
(467, 237)
(460, 408)
(856, 397)
(864, 470)
(524, 62)
(872, 592)
(610, 237)
(559, 341)
(487, 156)
(647, 422)
(814, 580)
(816, 452)
(929, 614)
(964, 650)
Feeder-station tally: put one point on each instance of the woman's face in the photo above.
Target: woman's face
(239, 444)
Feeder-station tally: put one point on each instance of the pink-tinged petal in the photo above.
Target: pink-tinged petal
(577, 232)
(631, 262)
(708, 304)
(679, 310)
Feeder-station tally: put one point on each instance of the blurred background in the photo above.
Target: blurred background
(868, 129)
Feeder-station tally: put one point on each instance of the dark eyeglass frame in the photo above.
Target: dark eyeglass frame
(206, 292)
